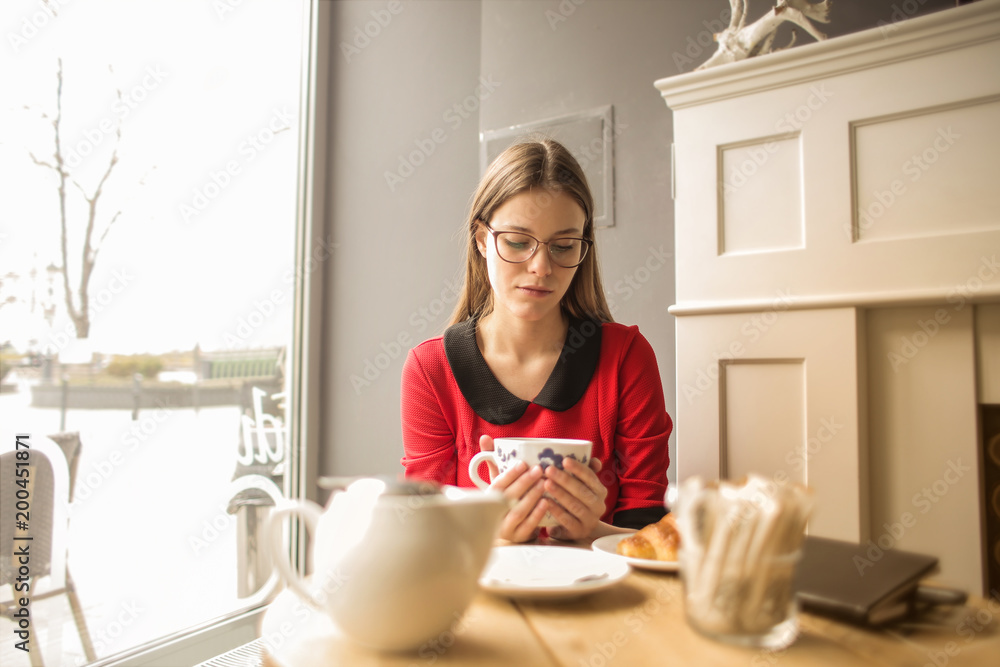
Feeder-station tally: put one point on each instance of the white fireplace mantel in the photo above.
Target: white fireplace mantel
(891, 42)
(837, 233)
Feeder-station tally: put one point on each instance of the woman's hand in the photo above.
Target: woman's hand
(522, 488)
(579, 498)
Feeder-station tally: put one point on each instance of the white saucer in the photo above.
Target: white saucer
(609, 544)
(526, 571)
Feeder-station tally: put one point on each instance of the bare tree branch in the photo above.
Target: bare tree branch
(100, 241)
(41, 162)
(78, 304)
(60, 168)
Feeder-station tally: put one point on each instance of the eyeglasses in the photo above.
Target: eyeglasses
(517, 247)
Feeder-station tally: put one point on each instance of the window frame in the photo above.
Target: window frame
(211, 638)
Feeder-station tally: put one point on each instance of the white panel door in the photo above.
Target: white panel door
(777, 392)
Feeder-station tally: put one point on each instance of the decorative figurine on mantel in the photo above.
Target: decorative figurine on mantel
(740, 41)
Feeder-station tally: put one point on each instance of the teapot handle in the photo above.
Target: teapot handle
(310, 512)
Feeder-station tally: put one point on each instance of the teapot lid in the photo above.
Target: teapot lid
(390, 486)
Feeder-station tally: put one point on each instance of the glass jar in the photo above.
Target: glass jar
(739, 600)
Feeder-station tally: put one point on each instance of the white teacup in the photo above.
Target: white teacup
(533, 451)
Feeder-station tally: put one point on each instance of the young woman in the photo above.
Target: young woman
(532, 351)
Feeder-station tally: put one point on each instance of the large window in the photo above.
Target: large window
(149, 228)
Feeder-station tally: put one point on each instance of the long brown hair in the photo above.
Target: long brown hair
(541, 164)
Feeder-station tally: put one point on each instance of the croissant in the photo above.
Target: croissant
(657, 541)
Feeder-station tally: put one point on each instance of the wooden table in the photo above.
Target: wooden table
(639, 622)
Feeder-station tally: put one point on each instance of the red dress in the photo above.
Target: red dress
(605, 388)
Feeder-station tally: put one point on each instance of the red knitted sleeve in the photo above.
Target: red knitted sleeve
(643, 429)
(428, 439)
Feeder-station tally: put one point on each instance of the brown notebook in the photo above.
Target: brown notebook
(863, 583)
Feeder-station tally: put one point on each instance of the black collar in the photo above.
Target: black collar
(491, 400)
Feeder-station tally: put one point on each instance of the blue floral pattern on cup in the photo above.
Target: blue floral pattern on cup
(505, 458)
(548, 457)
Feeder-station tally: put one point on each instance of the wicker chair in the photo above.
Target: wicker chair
(53, 462)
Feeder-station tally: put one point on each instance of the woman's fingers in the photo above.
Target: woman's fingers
(517, 479)
(569, 528)
(574, 496)
(527, 528)
(521, 522)
(580, 481)
(579, 498)
(522, 488)
(572, 505)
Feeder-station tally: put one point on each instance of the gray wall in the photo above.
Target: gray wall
(392, 97)
(396, 248)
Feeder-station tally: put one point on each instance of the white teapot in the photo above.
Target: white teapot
(395, 563)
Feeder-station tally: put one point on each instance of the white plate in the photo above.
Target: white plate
(609, 545)
(526, 571)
